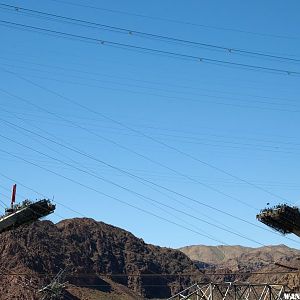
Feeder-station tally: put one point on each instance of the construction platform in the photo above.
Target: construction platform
(282, 218)
(24, 213)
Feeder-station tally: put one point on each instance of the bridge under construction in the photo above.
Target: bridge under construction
(232, 291)
(282, 218)
(25, 212)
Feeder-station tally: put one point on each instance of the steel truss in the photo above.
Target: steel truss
(231, 291)
(54, 290)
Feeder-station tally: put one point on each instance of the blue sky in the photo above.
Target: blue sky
(242, 121)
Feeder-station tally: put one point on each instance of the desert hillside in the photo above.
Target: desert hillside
(104, 262)
(273, 264)
(237, 256)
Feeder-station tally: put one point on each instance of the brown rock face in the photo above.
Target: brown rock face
(102, 260)
(272, 264)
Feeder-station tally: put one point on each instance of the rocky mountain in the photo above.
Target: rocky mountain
(106, 262)
(235, 257)
(276, 264)
(284, 271)
(103, 262)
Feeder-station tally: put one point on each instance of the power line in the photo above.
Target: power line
(187, 87)
(176, 98)
(145, 180)
(125, 172)
(133, 192)
(125, 251)
(29, 188)
(185, 205)
(193, 139)
(190, 140)
(212, 238)
(148, 35)
(106, 195)
(2, 204)
(140, 80)
(38, 193)
(192, 157)
(174, 149)
(107, 181)
(207, 272)
(209, 236)
(117, 144)
(150, 50)
(132, 151)
(164, 275)
(34, 164)
(55, 213)
(170, 97)
(175, 21)
(215, 143)
(293, 104)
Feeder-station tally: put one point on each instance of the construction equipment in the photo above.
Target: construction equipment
(25, 212)
(55, 289)
(282, 218)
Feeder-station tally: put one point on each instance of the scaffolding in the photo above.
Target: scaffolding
(232, 291)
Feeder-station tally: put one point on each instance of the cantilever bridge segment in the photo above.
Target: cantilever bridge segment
(232, 291)
(282, 218)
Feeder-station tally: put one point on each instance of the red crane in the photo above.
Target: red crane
(13, 196)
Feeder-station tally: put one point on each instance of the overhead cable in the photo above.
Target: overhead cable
(148, 35)
(149, 50)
